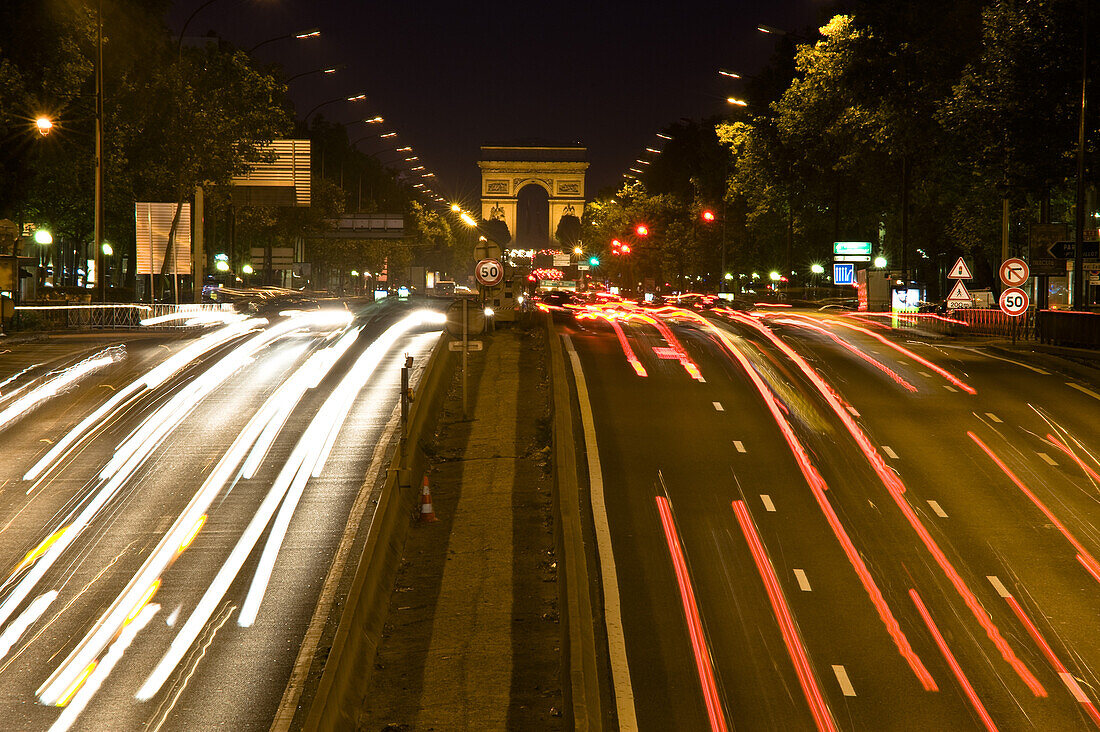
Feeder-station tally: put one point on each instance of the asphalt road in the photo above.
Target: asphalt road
(866, 544)
(123, 548)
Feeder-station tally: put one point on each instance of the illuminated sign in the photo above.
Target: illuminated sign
(852, 247)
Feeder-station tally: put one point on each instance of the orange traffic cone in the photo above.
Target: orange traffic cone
(427, 513)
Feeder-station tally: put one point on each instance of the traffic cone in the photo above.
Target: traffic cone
(427, 513)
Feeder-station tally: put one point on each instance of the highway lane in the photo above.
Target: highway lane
(928, 571)
(229, 675)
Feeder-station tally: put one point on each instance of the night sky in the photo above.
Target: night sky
(450, 76)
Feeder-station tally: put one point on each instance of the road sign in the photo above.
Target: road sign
(1068, 249)
(1014, 272)
(1014, 301)
(844, 273)
(1040, 237)
(470, 345)
(959, 297)
(851, 257)
(489, 272)
(960, 271)
(852, 247)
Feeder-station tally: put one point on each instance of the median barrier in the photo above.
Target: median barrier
(347, 671)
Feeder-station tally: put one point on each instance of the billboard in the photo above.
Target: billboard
(154, 221)
(283, 182)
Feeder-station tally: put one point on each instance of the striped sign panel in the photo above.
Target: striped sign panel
(154, 221)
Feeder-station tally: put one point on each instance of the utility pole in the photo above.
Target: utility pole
(97, 238)
(1080, 281)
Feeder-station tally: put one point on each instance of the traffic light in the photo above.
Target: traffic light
(594, 261)
(707, 215)
(616, 246)
(625, 249)
(641, 230)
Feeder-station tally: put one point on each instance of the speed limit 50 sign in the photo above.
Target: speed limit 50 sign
(1014, 301)
(489, 272)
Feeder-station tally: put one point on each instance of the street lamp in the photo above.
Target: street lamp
(311, 33)
(880, 262)
(43, 236)
(44, 125)
(737, 102)
(356, 98)
(328, 70)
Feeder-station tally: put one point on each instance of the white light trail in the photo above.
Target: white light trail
(54, 385)
(33, 612)
(151, 380)
(297, 467)
(129, 456)
(103, 669)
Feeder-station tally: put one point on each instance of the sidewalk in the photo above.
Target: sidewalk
(472, 640)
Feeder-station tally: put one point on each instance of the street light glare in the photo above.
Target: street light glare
(737, 102)
(44, 125)
(653, 150)
(42, 236)
(107, 249)
(357, 98)
(467, 219)
(388, 134)
(455, 207)
(311, 33)
(880, 262)
(730, 74)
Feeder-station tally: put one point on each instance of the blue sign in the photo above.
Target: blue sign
(844, 273)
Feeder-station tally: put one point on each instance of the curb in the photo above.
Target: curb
(347, 671)
(583, 685)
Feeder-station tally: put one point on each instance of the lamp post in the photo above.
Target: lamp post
(328, 70)
(97, 238)
(356, 98)
(311, 33)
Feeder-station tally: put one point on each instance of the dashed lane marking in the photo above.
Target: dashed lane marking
(938, 509)
(718, 407)
(998, 586)
(853, 411)
(767, 501)
(1083, 390)
(889, 452)
(803, 581)
(1047, 458)
(842, 678)
(994, 417)
(949, 388)
(925, 374)
(738, 446)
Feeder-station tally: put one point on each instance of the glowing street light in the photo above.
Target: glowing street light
(737, 102)
(641, 230)
(44, 125)
(247, 269)
(817, 269)
(880, 262)
(221, 266)
(707, 216)
(467, 219)
(773, 276)
(728, 73)
(108, 250)
(43, 236)
(455, 207)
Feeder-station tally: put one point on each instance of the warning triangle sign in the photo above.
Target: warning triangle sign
(959, 295)
(960, 271)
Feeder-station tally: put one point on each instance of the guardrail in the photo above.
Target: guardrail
(107, 316)
(994, 322)
(1068, 328)
(346, 676)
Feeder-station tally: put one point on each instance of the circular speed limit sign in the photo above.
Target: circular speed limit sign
(1014, 301)
(489, 272)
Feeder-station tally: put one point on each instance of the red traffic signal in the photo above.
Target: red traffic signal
(625, 249)
(708, 216)
(641, 230)
(615, 244)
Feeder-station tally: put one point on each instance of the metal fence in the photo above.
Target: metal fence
(108, 316)
(1069, 328)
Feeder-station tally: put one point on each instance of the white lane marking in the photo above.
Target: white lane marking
(738, 446)
(903, 363)
(994, 417)
(613, 616)
(998, 586)
(853, 411)
(949, 388)
(925, 374)
(889, 452)
(999, 358)
(1083, 390)
(1047, 458)
(718, 406)
(938, 509)
(1074, 687)
(767, 501)
(842, 678)
(803, 581)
